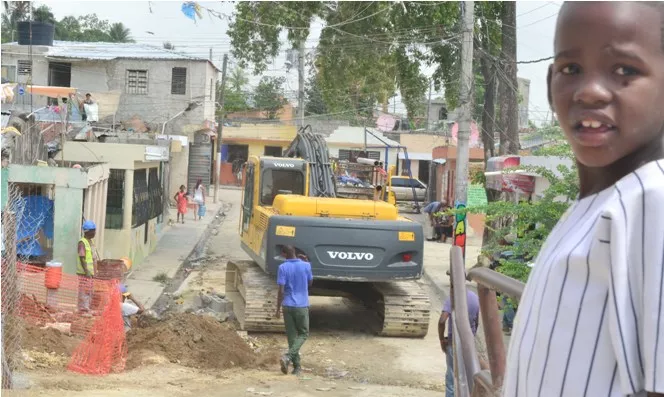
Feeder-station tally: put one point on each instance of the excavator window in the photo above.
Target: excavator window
(276, 182)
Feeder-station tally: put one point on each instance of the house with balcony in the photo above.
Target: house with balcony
(139, 90)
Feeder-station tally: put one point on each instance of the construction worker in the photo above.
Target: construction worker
(129, 309)
(294, 278)
(87, 259)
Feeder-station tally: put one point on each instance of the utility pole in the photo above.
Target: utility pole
(465, 118)
(300, 76)
(429, 106)
(217, 164)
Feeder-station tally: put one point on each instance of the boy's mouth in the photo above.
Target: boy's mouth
(593, 133)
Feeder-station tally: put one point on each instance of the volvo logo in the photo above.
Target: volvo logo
(358, 256)
(284, 165)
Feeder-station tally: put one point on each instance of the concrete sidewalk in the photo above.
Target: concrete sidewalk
(173, 248)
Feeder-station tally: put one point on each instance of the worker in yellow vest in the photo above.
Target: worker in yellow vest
(87, 259)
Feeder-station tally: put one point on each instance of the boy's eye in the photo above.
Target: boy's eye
(626, 71)
(570, 69)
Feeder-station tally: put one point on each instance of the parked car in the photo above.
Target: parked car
(402, 186)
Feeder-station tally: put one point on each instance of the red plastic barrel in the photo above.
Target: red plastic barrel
(53, 275)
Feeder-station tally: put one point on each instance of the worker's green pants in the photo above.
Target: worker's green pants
(296, 320)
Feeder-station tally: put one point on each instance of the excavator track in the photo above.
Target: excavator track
(254, 296)
(404, 307)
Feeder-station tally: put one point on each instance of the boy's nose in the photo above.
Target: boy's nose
(592, 91)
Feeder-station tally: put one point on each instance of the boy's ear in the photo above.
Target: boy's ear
(549, 75)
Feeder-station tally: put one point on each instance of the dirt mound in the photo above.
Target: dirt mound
(48, 340)
(190, 340)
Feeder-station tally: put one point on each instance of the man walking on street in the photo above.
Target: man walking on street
(446, 341)
(87, 258)
(294, 279)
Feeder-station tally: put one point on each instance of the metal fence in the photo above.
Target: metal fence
(469, 378)
(27, 236)
(11, 325)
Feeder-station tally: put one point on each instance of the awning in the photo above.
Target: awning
(53, 92)
(440, 161)
(415, 156)
(206, 131)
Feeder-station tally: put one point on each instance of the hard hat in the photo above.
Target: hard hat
(89, 225)
(123, 290)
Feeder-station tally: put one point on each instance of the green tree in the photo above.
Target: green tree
(237, 80)
(257, 25)
(235, 96)
(355, 72)
(269, 96)
(518, 219)
(313, 97)
(15, 12)
(43, 14)
(119, 33)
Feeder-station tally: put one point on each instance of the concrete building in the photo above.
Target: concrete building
(420, 148)
(126, 80)
(347, 142)
(241, 140)
(444, 173)
(438, 115)
(72, 195)
(135, 199)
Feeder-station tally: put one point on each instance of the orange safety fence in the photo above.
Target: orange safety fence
(83, 307)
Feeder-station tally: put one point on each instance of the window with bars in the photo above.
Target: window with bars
(155, 193)
(114, 200)
(137, 82)
(179, 81)
(24, 67)
(141, 209)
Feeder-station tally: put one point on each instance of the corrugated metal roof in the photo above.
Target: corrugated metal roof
(110, 51)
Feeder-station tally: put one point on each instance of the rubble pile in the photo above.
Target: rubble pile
(190, 340)
(214, 305)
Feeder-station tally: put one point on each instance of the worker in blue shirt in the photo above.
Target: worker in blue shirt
(294, 279)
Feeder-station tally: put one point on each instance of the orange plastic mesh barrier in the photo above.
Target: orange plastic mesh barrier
(83, 307)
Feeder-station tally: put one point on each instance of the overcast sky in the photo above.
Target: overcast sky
(158, 21)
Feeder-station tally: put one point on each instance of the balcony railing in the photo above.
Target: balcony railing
(469, 379)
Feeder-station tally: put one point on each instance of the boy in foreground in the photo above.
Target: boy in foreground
(591, 319)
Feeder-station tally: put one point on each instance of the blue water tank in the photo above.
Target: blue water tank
(42, 33)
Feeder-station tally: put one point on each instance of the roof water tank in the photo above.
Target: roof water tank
(42, 33)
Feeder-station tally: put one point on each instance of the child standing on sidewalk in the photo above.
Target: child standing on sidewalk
(182, 202)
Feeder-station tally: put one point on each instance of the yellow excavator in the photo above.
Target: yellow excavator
(358, 249)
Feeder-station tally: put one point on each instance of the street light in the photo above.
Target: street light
(190, 107)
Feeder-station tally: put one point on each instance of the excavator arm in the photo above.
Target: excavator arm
(313, 149)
